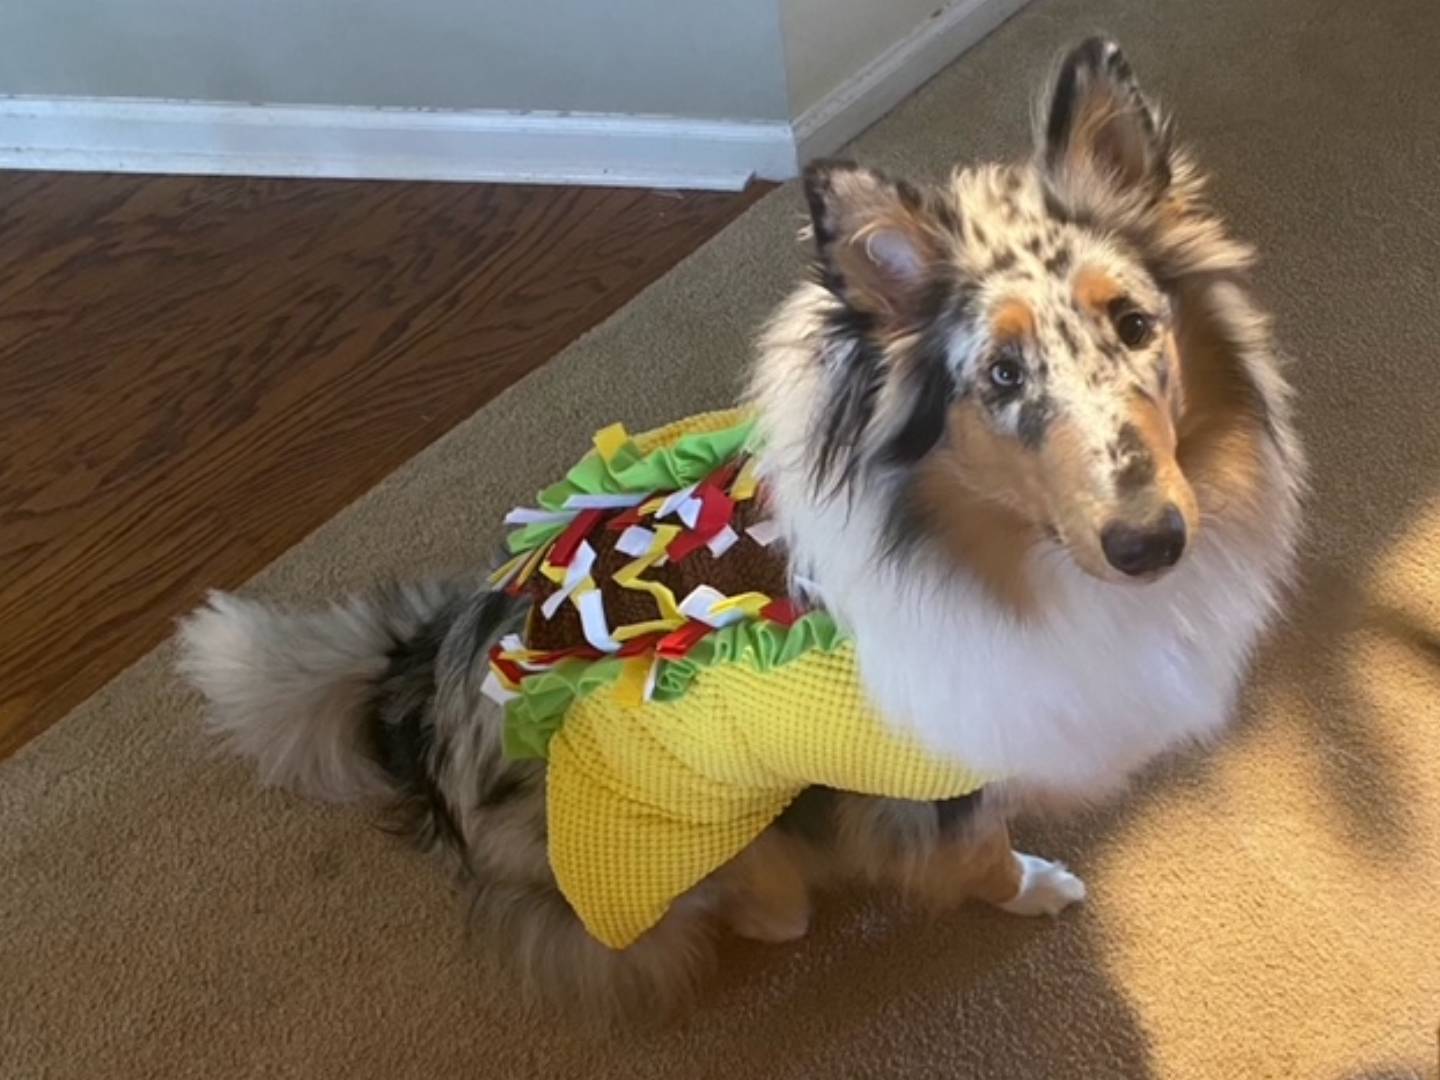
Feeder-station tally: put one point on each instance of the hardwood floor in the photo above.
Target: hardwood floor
(195, 373)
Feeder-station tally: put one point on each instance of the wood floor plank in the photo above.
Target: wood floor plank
(195, 373)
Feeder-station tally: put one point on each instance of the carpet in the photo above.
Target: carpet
(1268, 909)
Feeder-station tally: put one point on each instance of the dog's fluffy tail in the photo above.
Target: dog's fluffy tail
(293, 692)
(365, 700)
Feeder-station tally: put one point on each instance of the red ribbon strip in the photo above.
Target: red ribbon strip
(677, 643)
(783, 611)
(569, 541)
(716, 511)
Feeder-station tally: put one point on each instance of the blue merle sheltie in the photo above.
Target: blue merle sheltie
(1024, 431)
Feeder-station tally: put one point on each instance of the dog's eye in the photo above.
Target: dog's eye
(1135, 328)
(1007, 374)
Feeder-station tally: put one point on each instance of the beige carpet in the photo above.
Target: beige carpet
(1269, 910)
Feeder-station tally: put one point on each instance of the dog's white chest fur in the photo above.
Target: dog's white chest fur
(1072, 700)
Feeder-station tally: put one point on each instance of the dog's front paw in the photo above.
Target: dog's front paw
(1046, 888)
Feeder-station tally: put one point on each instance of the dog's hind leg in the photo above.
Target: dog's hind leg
(766, 894)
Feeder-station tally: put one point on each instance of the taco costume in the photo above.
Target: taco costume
(681, 698)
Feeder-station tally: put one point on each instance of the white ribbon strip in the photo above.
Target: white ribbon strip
(635, 541)
(723, 541)
(575, 575)
(529, 515)
(603, 502)
(592, 621)
(673, 500)
(764, 533)
(689, 512)
(492, 689)
(700, 603)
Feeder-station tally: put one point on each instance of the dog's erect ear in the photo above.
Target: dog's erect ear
(878, 248)
(1098, 137)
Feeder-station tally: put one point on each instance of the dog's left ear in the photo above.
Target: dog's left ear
(1097, 136)
(877, 246)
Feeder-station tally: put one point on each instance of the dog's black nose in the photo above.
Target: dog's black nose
(1146, 549)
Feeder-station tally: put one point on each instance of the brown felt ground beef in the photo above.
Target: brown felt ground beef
(746, 567)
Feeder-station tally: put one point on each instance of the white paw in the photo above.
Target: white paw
(1046, 888)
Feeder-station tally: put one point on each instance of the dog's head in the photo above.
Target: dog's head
(1006, 344)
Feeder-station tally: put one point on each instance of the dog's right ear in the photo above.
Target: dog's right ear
(878, 250)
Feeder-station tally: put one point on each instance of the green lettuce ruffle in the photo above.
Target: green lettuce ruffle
(539, 710)
(762, 644)
(533, 717)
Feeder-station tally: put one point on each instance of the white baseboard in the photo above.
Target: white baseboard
(206, 138)
(895, 74)
(225, 139)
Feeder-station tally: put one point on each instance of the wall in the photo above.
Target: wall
(828, 41)
(648, 93)
(717, 60)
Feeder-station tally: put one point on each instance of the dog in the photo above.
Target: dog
(1025, 434)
